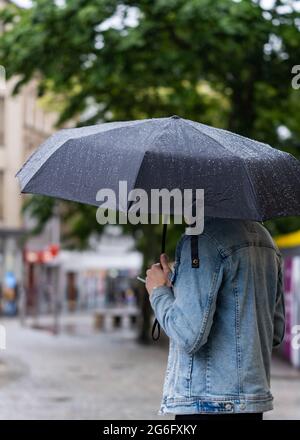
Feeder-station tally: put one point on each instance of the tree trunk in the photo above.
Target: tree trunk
(242, 115)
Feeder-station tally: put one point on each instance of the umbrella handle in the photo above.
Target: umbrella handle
(195, 264)
(163, 248)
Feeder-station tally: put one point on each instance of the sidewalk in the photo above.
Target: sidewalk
(85, 375)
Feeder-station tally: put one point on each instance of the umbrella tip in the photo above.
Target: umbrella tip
(175, 117)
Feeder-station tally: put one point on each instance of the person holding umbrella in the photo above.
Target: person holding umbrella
(223, 318)
(222, 306)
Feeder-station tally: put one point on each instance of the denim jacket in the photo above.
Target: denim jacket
(222, 320)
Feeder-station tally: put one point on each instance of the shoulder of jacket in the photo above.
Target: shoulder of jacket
(212, 243)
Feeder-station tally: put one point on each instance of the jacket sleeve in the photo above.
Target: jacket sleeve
(186, 311)
(279, 314)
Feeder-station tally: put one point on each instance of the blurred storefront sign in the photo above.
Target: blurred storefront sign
(41, 256)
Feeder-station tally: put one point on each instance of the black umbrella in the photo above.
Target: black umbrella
(241, 178)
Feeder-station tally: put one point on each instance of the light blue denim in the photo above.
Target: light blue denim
(222, 320)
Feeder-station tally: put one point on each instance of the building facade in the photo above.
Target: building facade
(24, 124)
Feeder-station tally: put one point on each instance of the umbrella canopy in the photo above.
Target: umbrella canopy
(241, 178)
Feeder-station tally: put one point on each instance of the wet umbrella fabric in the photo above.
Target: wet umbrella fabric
(241, 178)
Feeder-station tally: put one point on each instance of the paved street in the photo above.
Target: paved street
(81, 374)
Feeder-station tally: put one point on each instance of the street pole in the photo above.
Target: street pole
(56, 287)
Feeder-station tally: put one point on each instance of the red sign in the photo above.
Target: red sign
(42, 256)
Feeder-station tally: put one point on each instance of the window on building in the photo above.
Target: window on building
(1, 121)
(1, 195)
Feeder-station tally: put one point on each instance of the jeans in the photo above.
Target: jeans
(235, 416)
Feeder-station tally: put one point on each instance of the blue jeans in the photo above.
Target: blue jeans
(234, 416)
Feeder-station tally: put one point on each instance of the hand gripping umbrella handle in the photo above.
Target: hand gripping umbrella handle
(163, 248)
(195, 264)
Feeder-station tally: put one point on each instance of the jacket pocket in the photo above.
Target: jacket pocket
(182, 373)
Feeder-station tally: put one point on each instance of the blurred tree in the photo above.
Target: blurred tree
(227, 63)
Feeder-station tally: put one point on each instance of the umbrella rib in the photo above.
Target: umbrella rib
(254, 195)
(56, 149)
(145, 153)
(210, 137)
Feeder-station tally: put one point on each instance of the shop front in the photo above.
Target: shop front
(289, 245)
